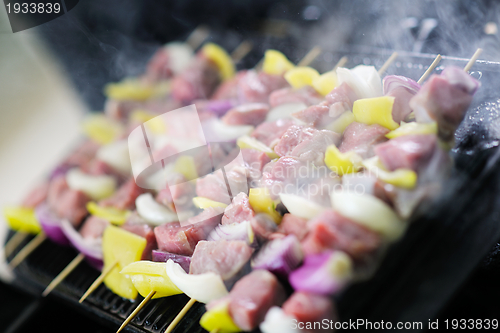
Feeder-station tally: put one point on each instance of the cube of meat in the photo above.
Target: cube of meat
(293, 225)
(330, 230)
(271, 131)
(408, 151)
(247, 114)
(174, 238)
(445, 98)
(238, 211)
(36, 196)
(226, 258)
(214, 187)
(361, 138)
(306, 143)
(82, 155)
(310, 308)
(67, 203)
(198, 81)
(255, 87)
(251, 297)
(255, 161)
(337, 102)
(124, 197)
(93, 227)
(307, 95)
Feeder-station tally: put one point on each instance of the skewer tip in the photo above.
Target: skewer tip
(136, 310)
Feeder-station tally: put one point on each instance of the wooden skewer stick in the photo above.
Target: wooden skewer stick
(98, 281)
(14, 242)
(26, 251)
(430, 69)
(341, 62)
(387, 63)
(181, 314)
(473, 59)
(65, 272)
(136, 311)
(197, 36)
(241, 50)
(310, 56)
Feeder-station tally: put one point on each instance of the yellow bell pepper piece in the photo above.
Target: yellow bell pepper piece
(404, 178)
(413, 128)
(111, 214)
(202, 203)
(124, 247)
(261, 202)
(299, 77)
(185, 165)
(246, 141)
(148, 276)
(221, 58)
(342, 163)
(141, 116)
(376, 110)
(340, 124)
(129, 89)
(219, 319)
(22, 219)
(325, 83)
(101, 129)
(276, 63)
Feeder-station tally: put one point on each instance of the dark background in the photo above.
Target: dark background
(102, 41)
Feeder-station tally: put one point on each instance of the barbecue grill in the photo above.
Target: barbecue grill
(418, 275)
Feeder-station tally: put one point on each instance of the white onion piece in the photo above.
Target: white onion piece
(277, 321)
(364, 80)
(152, 211)
(96, 187)
(369, 211)
(201, 287)
(179, 56)
(217, 131)
(284, 111)
(359, 182)
(300, 207)
(116, 155)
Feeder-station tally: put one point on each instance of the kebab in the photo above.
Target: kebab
(189, 304)
(314, 51)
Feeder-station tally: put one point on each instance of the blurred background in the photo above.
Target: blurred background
(51, 75)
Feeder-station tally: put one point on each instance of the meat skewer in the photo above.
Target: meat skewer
(430, 69)
(387, 63)
(309, 57)
(238, 53)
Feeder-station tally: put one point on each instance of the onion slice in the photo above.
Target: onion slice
(284, 111)
(392, 82)
(163, 256)
(90, 247)
(300, 207)
(325, 273)
(369, 211)
(152, 211)
(96, 187)
(51, 224)
(201, 287)
(277, 321)
(280, 256)
(234, 231)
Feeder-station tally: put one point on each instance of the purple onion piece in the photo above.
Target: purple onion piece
(51, 225)
(220, 107)
(60, 170)
(234, 231)
(280, 256)
(457, 76)
(162, 256)
(319, 275)
(90, 247)
(392, 82)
